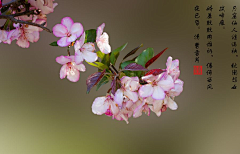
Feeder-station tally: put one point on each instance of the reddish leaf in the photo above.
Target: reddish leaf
(154, 58)
(133, 51)
(154, 72)
(93, 79)
(134, 67)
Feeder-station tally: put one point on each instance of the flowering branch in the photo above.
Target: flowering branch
(14, 20)
(134, 88)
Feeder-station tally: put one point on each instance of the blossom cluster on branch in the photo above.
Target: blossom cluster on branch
(134, 89)
(24, 20)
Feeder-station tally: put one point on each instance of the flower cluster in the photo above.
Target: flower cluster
(25, 19)
(134, 88)
(156, 94)
(69, 32)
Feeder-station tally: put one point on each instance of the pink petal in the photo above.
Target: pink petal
(158, 93)
(98, 106)
(175, 63)
(114, 109)
(166, 84)
(82, 39)
(138, 110)
(78, 57)
(62, 60)
(80, 67)
(63, 71)
(90, 56)
(36, 36)
(172, 104)
(63, 42)
(118, 98)
(77, 46)
(103, 43)
(131, 95)
(146, 90)
(67, 22)
(72, 38)
(100, 30)
(169, 63)
(60, 30)
(22, 42)
(73, 75)
(77, 29)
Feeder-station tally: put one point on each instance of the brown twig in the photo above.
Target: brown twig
(11, 17)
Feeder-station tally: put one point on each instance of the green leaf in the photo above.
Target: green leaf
(102, 82)
(114, 54)
(90, 35)
(4, 9)
(100, 54)
(145, 56)
(106, 59)
(98, 65)
(54, 43)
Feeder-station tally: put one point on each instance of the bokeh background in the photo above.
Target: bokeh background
(42, 114)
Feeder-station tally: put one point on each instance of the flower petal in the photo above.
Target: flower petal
(73, 75)
(103, 43)
(63, 42)
(62, 60)
(77, 29)
(146, 90)
(158, 93)
(67, 22)
(166, 84)
(72, 38)
(23, 42)
(118, 98)
(131, 95)
(98, 106)
(81, 67)
(78, 57)
(100, 30)
(59, 30)
(90, 56)
(63, 71)
(172, 104)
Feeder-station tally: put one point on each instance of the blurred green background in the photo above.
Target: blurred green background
(42, 114)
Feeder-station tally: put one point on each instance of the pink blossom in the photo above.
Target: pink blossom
(178, 88)
(156, 86)
(128, 87)
(102, 40)
(46, 6)
(84, 51)
(28, 34)
(139, 107)
(4, 37)
(126, 110)
(105, 105)
(170, 103)
(70, 68)
(68, 31)
(173, 68)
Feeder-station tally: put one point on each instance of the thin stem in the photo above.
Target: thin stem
(114, 68)
(68, 50)
(11, 17)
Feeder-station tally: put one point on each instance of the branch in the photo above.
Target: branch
(11, 17)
